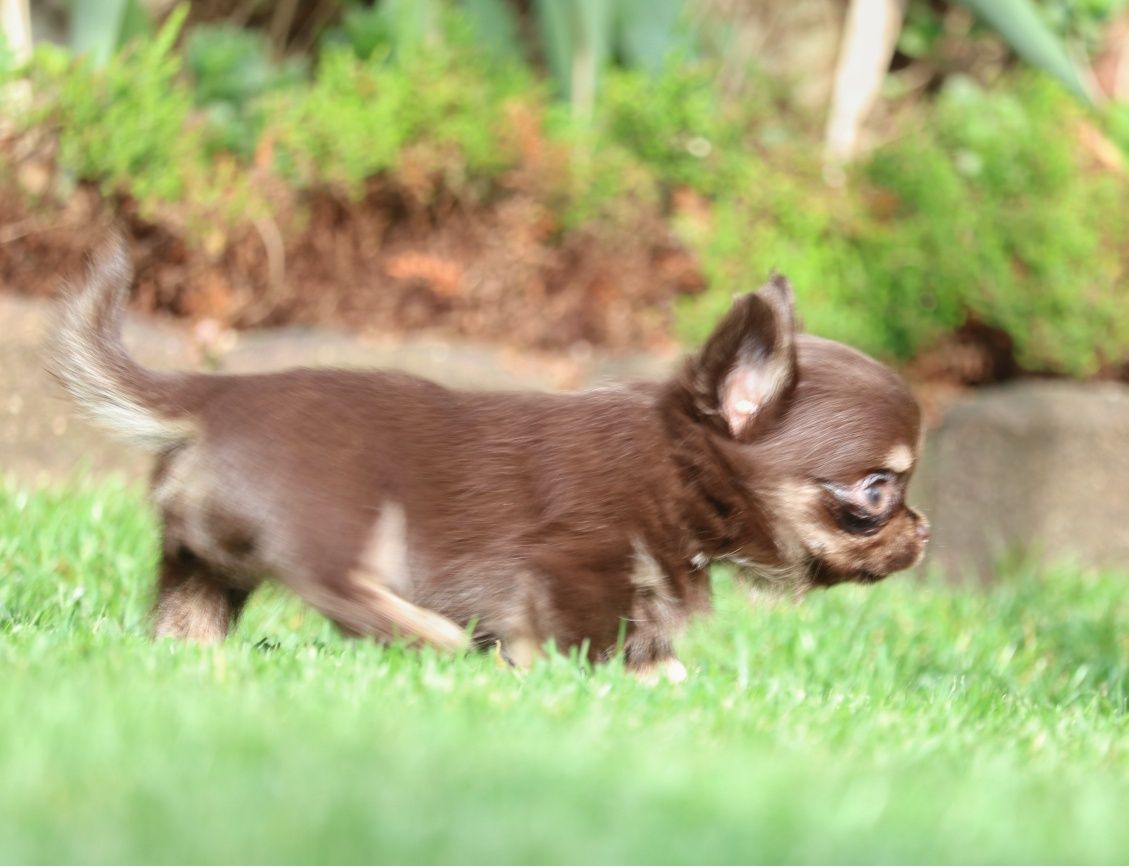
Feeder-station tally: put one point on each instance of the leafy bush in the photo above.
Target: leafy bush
(392, 28)
(1081, 20)
(7, 58)
(231, 69)
(653, 135)
(361, 114)
(998, 216)
(124, 125)
(675, 123)
(985, 209)
(588, 178)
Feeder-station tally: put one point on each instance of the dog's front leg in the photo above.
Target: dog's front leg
(659, 611)
(521, 651)
(669, 669)
(650, 657)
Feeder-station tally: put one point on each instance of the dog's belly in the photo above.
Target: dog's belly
(522, 603)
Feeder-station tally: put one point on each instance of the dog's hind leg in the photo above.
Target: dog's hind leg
(365, 595)
(361, 604)
(194, 602)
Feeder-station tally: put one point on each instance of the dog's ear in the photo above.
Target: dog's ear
(747, 366)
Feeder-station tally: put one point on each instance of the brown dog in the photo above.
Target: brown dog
(402, 509)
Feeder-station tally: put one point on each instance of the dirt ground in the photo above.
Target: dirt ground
(497, 271)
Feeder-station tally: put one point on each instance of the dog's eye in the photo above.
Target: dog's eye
(876, 491)
(863, 507)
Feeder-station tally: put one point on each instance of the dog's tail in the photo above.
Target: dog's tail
(89, 359)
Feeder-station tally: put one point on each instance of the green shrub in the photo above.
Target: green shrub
(983, 206)
(676, 123)
(741, 247)
(999, 217)
(985, 209)
(655, 134)
(392, 28)
(124, 125)
(230, 70)
(595, 180)
(360, 115)
(7, 58)
(364, 29)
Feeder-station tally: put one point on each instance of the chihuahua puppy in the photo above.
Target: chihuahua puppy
(404, 510)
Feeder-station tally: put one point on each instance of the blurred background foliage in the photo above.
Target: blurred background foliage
(988, 193)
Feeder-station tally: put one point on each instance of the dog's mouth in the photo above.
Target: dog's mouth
(824, 575)
(870, 559)
(815, 573)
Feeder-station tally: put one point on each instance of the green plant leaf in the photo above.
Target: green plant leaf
(496, 26)
(101, 27)
(577, 35)
(555, 25)
(170, 30)
(1018, 22)
(648, 31)
(135, 22)
(96, 27)
(412, 24)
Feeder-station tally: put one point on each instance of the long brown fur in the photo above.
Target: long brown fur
(403, 509)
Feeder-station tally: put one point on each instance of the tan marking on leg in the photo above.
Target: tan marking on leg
(386, 615)
(386, 555)
(186, 490)
(657, 616)
(383, 578)
(655, 604)
(646, 573)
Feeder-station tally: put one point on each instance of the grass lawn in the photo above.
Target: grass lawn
(901, 724)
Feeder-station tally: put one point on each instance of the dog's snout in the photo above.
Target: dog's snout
(922, 529)
(921, 525)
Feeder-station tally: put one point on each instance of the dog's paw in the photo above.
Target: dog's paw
(669, 669)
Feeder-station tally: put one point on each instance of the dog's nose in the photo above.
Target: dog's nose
(923, 531)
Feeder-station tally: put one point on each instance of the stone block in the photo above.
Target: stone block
(1037, 469)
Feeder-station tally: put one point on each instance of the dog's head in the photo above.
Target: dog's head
(820, 439)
